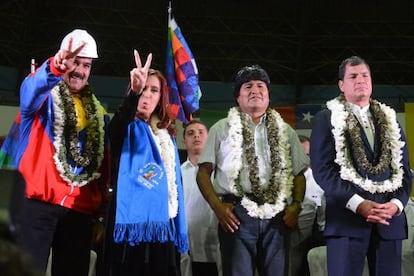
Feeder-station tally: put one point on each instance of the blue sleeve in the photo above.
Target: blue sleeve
(36, 88)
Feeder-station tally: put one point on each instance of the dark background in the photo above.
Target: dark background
(297, 42)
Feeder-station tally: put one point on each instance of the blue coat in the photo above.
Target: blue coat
(341, 221)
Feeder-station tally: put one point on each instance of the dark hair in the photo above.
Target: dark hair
(246, 74)
(303, 138)
(192, 122)
(352, 61)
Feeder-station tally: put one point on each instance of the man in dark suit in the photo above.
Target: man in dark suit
(359, 158)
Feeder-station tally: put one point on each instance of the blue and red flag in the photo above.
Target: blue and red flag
(181, 75)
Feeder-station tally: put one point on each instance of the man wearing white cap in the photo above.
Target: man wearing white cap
(62, 157)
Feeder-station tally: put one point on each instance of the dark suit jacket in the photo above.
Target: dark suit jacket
(340, 221)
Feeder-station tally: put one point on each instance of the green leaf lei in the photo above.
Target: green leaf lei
(262, 202)
(346, 133)
(357, 145)
(66, 135)
(260, 195)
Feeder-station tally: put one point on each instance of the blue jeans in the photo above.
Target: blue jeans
(257, 244)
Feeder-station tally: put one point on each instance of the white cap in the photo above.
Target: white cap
(78, 37)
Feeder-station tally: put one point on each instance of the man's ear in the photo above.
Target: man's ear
(237, 101)
(340, 85)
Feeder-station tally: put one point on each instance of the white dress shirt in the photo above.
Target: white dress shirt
(201, 221)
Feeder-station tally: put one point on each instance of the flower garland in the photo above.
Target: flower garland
(343, 121)
(66, 141)
(163, 140)
(263, 203)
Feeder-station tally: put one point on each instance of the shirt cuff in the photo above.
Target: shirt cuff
(354, 202)
(397, 202)
(55, 71)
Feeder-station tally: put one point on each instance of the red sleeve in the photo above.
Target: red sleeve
(55, 71)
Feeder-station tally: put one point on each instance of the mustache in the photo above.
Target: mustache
(77, 75)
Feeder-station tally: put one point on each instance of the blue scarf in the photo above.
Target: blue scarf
(142, 195)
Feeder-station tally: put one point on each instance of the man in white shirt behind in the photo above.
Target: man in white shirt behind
(203, 258)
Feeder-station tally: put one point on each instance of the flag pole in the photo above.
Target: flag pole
(32, 65)
(169, 11)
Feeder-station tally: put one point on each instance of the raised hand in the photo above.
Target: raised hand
(139, 74)
(64, 58)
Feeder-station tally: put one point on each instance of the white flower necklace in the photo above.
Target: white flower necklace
(272, 200)
(163, 140)
(393, 146)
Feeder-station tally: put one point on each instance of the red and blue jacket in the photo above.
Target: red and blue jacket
(32, 149)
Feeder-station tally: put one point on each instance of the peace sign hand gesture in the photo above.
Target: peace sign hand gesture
(64, 58)
(139, 74)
